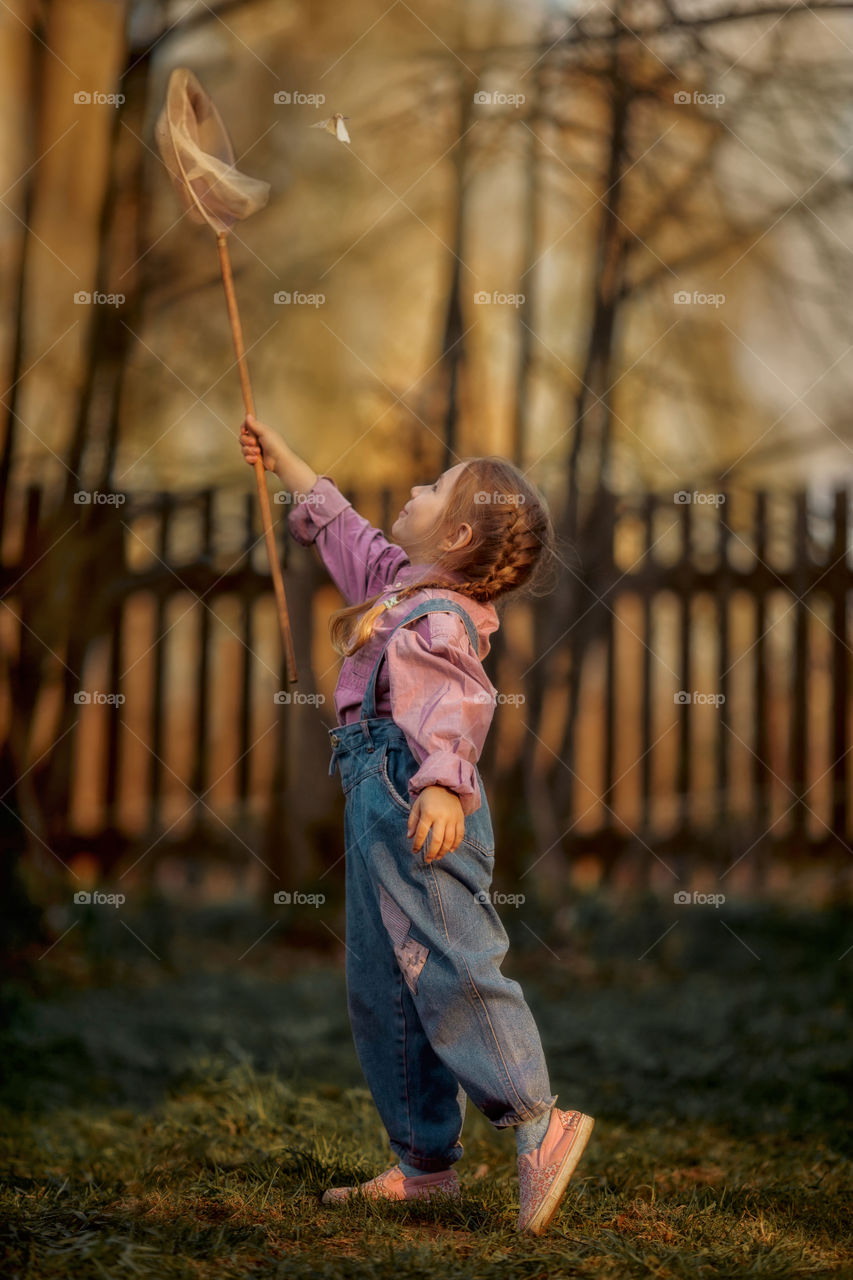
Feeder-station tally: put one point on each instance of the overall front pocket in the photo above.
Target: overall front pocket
(395, 770)
(478, 826)
(355, 769)
(398, 765)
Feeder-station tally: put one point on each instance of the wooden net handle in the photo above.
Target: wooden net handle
(260, 472)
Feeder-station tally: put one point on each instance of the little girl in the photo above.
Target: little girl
(433, 1018)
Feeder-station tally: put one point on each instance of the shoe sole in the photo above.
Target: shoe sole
(551, 1202)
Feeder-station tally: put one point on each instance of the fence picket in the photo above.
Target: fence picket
(650, 580)
(838, 579)
(798, 742)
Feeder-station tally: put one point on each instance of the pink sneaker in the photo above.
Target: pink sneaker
(543, 1174)
(394, 1185)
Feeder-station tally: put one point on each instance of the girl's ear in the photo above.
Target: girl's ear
(464, 535)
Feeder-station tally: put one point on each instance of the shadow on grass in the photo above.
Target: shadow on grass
(186, 1119)
(648, 1012)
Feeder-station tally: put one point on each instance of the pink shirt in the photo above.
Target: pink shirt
(432, 682)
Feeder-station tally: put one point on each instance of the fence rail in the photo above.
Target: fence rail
(814, 589)
(163, 677)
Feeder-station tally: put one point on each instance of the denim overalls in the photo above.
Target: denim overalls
(433, 1018)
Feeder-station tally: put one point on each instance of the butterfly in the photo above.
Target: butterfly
(335, 125)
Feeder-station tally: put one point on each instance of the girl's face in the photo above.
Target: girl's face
(426, 506)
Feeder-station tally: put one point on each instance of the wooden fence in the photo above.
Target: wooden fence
(715, 681)
(742, 627)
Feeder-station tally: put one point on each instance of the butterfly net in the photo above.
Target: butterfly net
(197, 151)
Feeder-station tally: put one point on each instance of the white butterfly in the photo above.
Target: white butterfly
(334, 124)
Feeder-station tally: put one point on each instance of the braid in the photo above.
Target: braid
(512, 528)
(519, 551)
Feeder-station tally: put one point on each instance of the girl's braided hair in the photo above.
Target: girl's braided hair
(512, 538)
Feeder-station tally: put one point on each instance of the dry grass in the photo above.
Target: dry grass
(185, 1122)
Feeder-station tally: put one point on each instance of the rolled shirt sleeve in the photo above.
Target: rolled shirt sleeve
(359, 558)
(443, 701)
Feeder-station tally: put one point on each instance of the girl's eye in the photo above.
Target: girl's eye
(435, 486)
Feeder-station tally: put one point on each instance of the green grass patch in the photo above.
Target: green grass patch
(185, 1120)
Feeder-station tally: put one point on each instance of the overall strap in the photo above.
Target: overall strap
(368, 704)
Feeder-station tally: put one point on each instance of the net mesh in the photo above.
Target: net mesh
(197, 151)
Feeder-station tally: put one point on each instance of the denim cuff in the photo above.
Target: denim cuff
(428, 1164)
(536, 1109)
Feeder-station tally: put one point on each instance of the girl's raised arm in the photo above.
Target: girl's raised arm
(359, 558)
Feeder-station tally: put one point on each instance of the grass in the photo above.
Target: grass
(182, 1119)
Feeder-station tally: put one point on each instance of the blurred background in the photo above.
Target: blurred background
(610, 241)
(612, 244)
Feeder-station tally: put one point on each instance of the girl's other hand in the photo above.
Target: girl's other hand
(439, 812)
(260, 441)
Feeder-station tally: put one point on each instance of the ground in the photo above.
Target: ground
(180, 1117)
